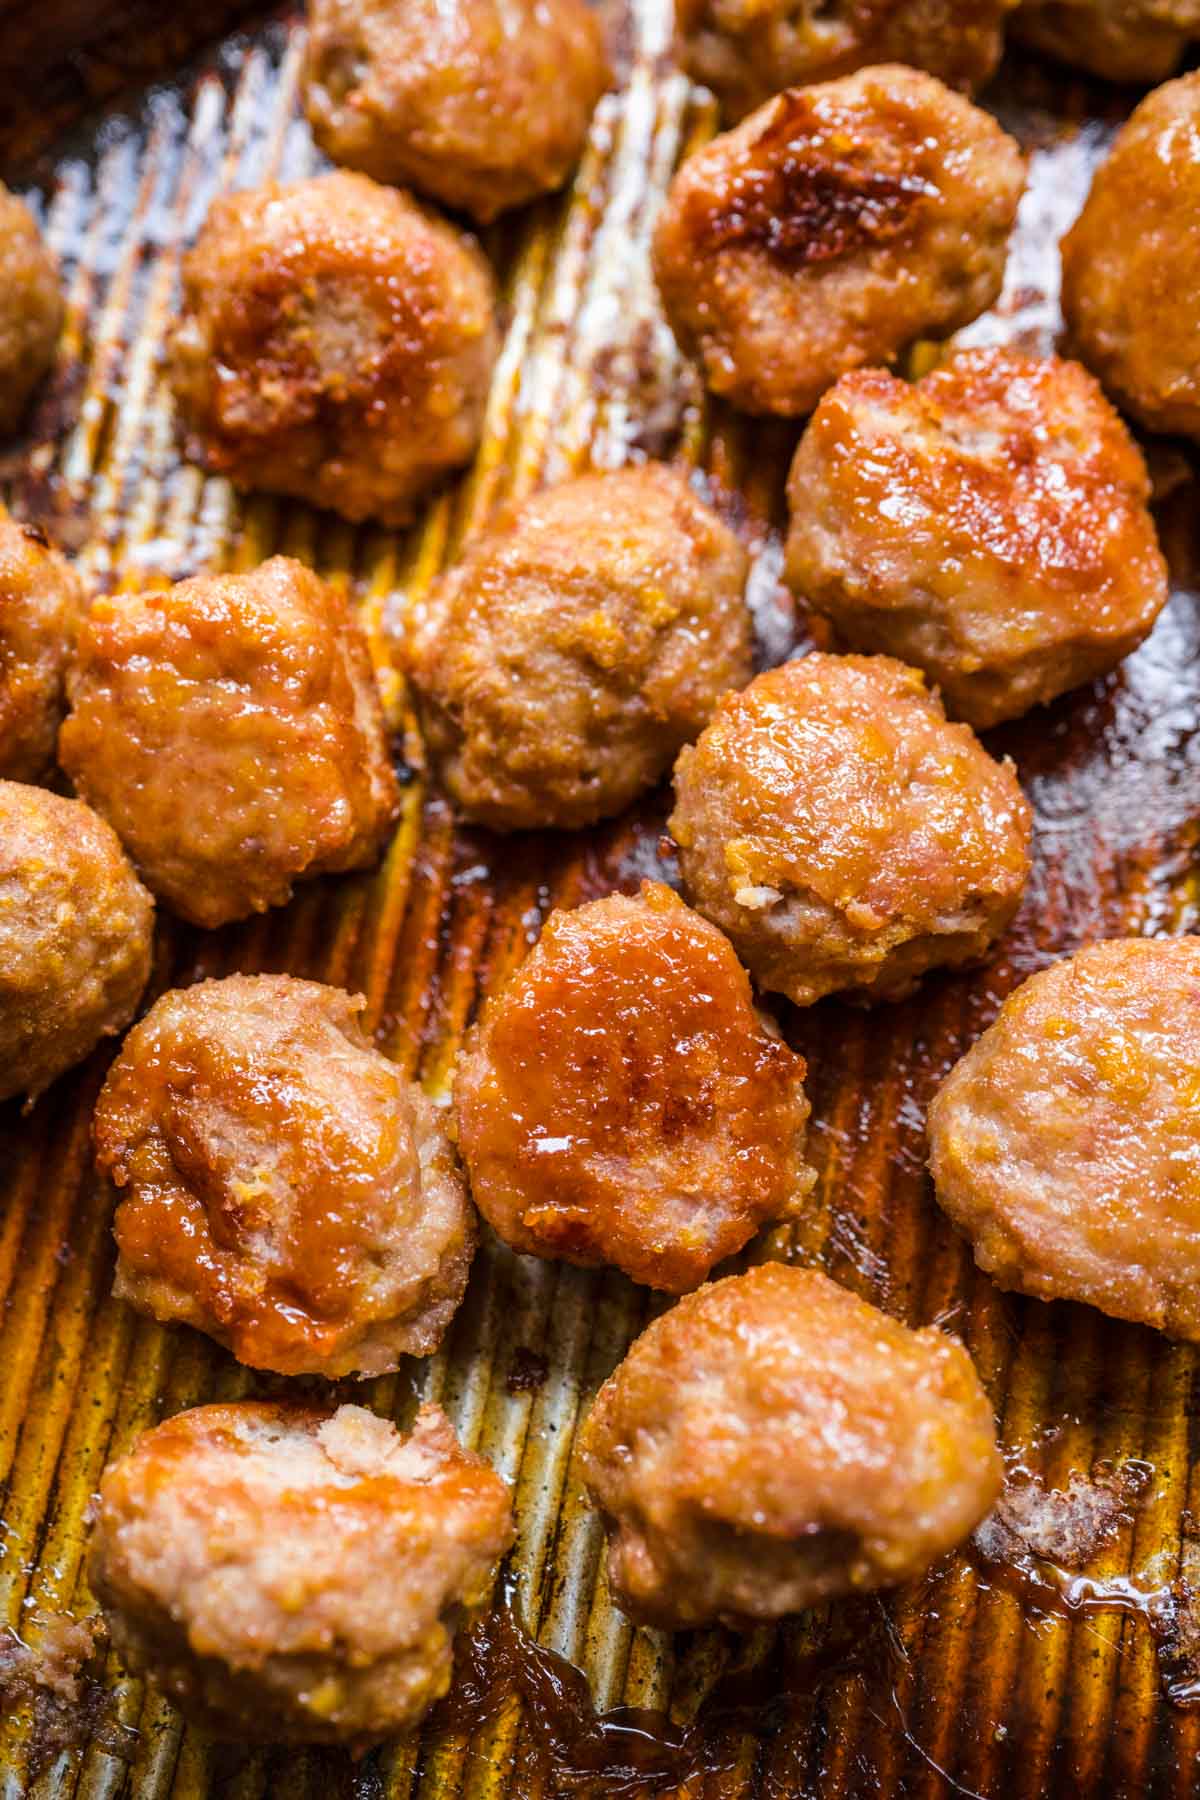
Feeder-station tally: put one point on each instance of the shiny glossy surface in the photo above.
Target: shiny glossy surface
(41, 602)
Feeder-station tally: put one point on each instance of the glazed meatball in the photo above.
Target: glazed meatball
(844, 834)
(41, 603)
(336, 344)
(482, 104)
(1066, 1143)
(623, 1102)
(571, 653)
(296, 1576)
(76, 929)
(1129, 289)
(831, 229)
(1121, 40)
(31, 309)
(283, 1187)
(229, 728)
(746, 51)
(773, 1441)
(989, 525)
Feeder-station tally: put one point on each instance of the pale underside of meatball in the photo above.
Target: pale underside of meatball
(1066, 1143)
(574, 649)
(1120, 40)
(833, 228)
(31, 309)
(230, 729)
(989, 525)
(290, 1575)
(844, 834)
(282, 1186)
(482, 104)
(41, 603)
(773, 1441)
(623, 1102)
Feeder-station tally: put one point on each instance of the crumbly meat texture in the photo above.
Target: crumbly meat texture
(1129, 290)
(482, 104)
(1066, 1143)
(989, 525)
(569, 655)
(1119, 40)
(230, 730)
(76, 933)
(844, 834)
(335, 343)
(31, 309)
(292, 1576)
(282, 1186)
(41, 603)
(773, 1441)
(623, 1102)
(831, 229)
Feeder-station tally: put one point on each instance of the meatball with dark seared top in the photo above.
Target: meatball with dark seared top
(31, 309)
(1120, 40)
(773, 1441)
(282, 1186)
(76, 932)
(831, 229)
(229, 728)
(41, 603)
(293, 1576)
(564, 661)
(335, 343)
(844, 833)
(482, 104)
(989, 525)
(623, 1102)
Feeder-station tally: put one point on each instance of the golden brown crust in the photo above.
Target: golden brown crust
(989, 525)
(1120, 40)
(41, 603)
(31, 309)
(623, 1102)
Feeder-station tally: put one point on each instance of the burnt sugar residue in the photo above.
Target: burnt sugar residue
(49, 1676)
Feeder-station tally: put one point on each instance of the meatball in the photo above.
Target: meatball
(481, 104)
(989, 525)
(76, 929)
(283, 1187)
(1066, 1143)
(229, 728)
(1129, 289)
(1121, 40)
(831, 229)
(41, 603)
(845, 835)
(773, 1441)
(291, 1575)
(336, 344)
(623, 1102)
(31, 309)
(571, 653)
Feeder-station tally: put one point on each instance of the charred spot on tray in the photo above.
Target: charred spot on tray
(527, 1371)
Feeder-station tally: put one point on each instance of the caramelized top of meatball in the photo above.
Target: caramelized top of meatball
(31, 308)
(229, 728)
(290, 1575)
(483, 104)
(833, 227)
(41, 602)
(1121, 40)
(623, 1102)
(988, 524)
(772, 1441)
(1066, 1143)
(283, 1187)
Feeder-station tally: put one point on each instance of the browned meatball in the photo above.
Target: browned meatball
(41, 603)
(773, 1441)
(989, 525)
(76, 928)
(623, 1102)
(1129, 288)
(844, 834)
(336, 344)
(568, 656)
(1066, 1143)
(746, 51)
(1121, 40)
(831, 229)
(283, 1187)
(290, 1575)
(483, 104)
(31, 309)
(229, 728)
